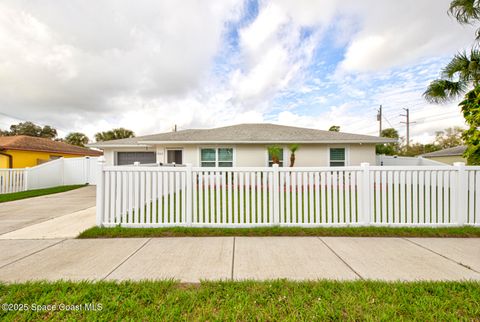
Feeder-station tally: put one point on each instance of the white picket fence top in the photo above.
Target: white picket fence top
(140, 196)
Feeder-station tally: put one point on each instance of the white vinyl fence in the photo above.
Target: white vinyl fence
(60, 172)
(393, 160)
(328, 196)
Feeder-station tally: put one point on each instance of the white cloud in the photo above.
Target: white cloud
(394, 33)
(151, 64)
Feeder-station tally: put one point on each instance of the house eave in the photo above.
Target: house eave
(269, 142)
(102, 146)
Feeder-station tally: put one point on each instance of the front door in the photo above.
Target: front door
(175, 156)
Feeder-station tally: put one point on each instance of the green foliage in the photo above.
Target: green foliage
(274, 151)
(114, 134)
(293, 148)
(31, 129)
(471, 112)
(465, 11)
(334, 128)
(418, 149)
(461, 74)
(388, 148)
(77, 138)
(449, 138)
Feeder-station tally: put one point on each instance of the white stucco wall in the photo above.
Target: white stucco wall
(255, 155)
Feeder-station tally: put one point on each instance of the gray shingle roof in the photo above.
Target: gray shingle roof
(249, 133)
(458, 150)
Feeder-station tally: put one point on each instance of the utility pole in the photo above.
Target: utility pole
(407, 123)
(379, 119)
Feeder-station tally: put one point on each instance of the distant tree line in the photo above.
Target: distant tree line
(447, 138)
(74, 138)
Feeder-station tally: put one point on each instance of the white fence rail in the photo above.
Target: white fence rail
(64, 171)
(328, 196)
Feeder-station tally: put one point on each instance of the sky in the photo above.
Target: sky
(147, 65)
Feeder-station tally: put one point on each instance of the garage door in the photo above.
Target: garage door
(124, 158)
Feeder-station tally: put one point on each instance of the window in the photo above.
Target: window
(174, 156)
(337, 157)
(216, 157)
(280, 163)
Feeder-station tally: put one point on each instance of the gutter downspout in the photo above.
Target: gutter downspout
(10, 158)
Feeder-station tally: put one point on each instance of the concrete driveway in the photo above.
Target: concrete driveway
(238, 258)
(53, 216)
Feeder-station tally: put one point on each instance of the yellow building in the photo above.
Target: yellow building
(23, 151)
(448, 156)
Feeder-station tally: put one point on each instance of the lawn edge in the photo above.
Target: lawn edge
(403, 232)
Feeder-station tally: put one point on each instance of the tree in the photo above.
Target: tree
(388, 148)
(418, 149)
(334, 128)
(274, 151)
(114, 134)
(449, 138)
(462, 74)
(471, 112)
(293, 148)
(77, 138)
(467, 12)
(31, 129)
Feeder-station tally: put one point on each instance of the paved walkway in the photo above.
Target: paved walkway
(238, 258)
(61, 215)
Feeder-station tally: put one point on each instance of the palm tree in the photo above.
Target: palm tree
(77, 138)
(465, 11)
(293, 148)
(461, 74)
(115, 134)
(274, 151)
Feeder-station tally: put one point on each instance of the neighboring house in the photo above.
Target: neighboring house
(448, 156)
(26, 151)
(243, 145)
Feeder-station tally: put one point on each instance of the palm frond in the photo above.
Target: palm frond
(442, 90)
(458, 65)
(465, 11)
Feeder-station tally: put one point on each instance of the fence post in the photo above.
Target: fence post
(276, 208)
(365, 195)
(100, 191)
(188, 197)
(462, 192)
(25, 178)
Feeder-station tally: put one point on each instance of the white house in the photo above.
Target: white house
(243, 145)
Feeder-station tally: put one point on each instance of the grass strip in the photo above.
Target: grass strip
(278, 300)
(120, 232)
(36, 193)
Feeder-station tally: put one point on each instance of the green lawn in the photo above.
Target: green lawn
(247, 301)
(35, 193)
(466, 231)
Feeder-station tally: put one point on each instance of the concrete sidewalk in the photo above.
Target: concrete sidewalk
(238, 258)
(66, 226)
(16, 215)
